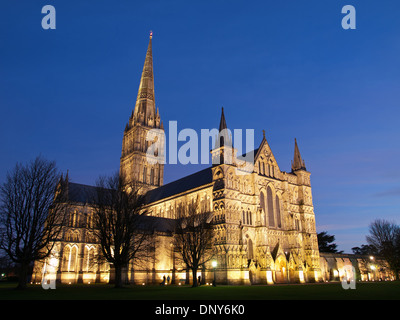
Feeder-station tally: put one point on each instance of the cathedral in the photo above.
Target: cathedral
(264, 221)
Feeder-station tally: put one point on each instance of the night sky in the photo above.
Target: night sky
(287, 67)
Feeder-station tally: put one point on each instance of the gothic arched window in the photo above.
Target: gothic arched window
(89, 258)
(152, 176)
(262, 205)
(249, 249)
(278, 211)
(72, 221)
(89, 220)
(271, 218)
(144, 174)
(65, 260)
(72, 258)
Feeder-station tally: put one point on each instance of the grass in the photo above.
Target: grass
(320, 291)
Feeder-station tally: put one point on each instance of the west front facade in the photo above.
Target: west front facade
(263, 217)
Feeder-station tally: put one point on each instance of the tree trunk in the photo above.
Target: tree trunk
(118, 276)
(23, 273)
(194, 273)
(187, 276)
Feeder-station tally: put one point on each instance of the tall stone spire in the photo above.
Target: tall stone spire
(137, 165)
(298, 162)
(145, 107)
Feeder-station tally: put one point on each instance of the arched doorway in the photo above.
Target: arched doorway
(280, 270)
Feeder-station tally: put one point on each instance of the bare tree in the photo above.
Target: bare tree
(385, 237)
(32, 213)
(120, 224)
(194, 238)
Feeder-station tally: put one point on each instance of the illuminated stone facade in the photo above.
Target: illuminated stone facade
(341, 267)
(264, 219)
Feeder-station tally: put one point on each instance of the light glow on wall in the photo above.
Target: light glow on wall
(301, 276)
(269, 277)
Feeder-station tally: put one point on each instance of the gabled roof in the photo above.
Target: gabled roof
(85, 194)
(189, 182)
(81, 193)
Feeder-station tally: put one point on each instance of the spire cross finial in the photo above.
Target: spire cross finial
(151, 34)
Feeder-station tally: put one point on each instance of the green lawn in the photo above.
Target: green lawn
(331, 291)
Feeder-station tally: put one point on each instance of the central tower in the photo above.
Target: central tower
(137, 165)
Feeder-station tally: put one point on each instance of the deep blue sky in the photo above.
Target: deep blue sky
(284, 66)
